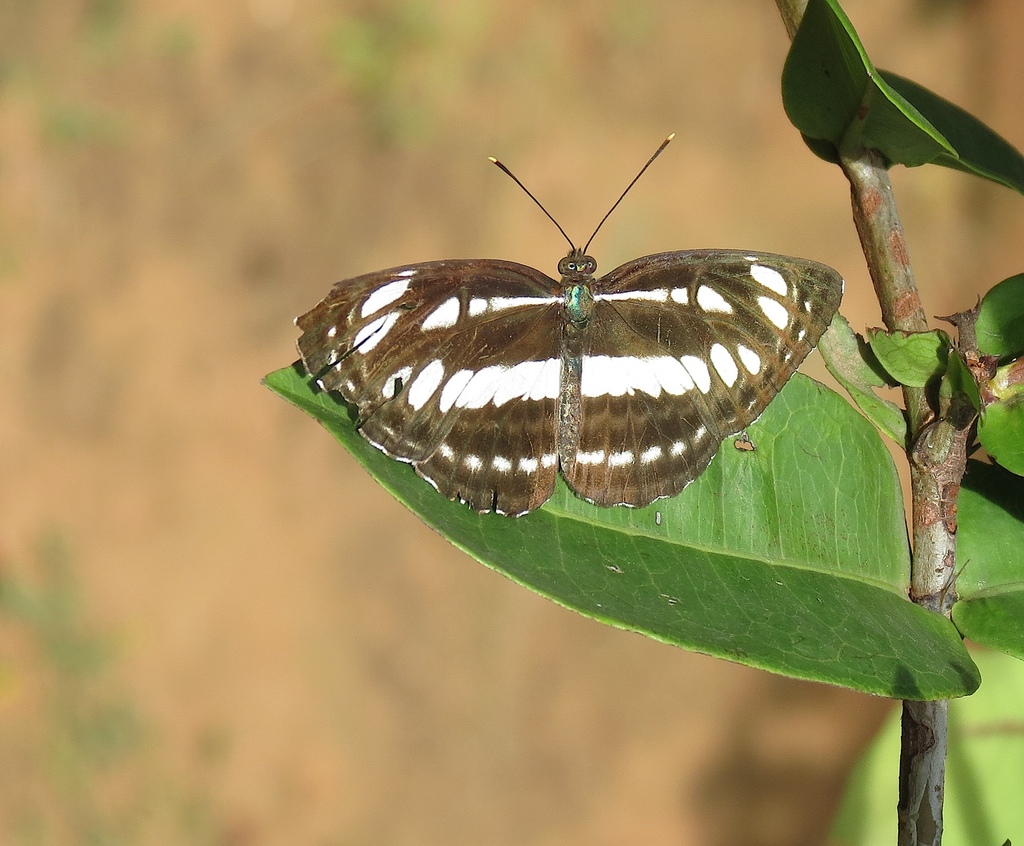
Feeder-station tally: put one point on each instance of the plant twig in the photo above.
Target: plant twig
(937, 452)
(885, 249)
(792, 11)
(922, 772)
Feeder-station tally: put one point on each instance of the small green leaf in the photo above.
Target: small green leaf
(896, 128)
(991, 557)
(984, 779)
(959, 379)
(1001, 432)
(1000, 325)
(825, 74)
(831, 91)
(914, 358)
(979, 150)
(851, 361)
(840, 102)
(791, 557)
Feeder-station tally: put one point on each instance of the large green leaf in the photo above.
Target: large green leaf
(984, 777)
(791, 557)
(842, 104)
(991, 554)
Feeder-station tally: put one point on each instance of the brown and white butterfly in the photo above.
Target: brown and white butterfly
(490, 377)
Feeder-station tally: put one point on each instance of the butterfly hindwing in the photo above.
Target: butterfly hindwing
(452, 366)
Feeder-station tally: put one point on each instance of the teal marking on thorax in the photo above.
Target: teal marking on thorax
(579, 303)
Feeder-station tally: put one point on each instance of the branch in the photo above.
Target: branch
(888, 259)
(791, 11)
(937, 452)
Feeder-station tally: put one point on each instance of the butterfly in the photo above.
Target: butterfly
(491, 377)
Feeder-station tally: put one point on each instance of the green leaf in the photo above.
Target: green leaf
(792, 557)
(1001, 432)
(1000, 325)
(914, 358)
(995, 620)
(1001, 426)
(979, 150)
(840, 102)
(832, 92)
(991, 557)
(895, 127)
(984, 778)
(959, 379)
(854, 365)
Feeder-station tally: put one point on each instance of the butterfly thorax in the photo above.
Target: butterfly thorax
(577, 270)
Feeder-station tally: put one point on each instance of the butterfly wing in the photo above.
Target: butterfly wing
(453, 366)
(684, 349)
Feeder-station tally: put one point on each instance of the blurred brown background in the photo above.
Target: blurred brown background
(214, 628)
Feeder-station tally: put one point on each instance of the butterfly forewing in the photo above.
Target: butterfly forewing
(454, 367)
(682, 350)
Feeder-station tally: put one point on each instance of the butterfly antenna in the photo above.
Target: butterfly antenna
(540, 205)
(657, 153)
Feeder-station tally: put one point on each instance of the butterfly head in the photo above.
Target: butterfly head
(577, 268)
